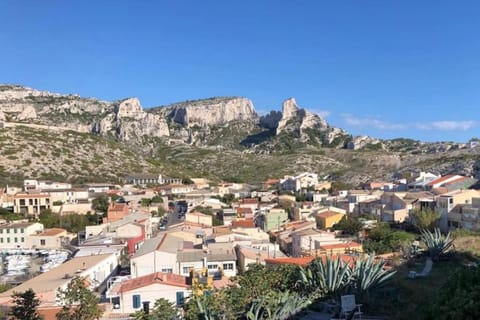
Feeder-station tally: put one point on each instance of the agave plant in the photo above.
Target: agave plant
(204, 309)
(327, 276)
(436, 243)
(368, 274)
(278, 306)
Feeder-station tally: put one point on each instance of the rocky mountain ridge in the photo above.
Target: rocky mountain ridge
(190, 122)
(218, 137)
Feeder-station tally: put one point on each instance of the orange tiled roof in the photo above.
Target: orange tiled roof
(440, 180)
(328, 214)
(248, 223)
(351, 244)
(303, 261)
(50, 232)
(158, 277)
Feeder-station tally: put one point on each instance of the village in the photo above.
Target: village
(160, 237)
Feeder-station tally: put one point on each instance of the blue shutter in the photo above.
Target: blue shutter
(136, 301)
(180, 298)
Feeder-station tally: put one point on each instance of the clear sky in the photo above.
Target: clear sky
(383, 68)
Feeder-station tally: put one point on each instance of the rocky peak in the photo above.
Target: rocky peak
(289, 108)
(298, 117)
(128, 108)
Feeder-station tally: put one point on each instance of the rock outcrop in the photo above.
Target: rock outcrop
(359, 142)
(295, 118)
(211, 112)
(27, 113)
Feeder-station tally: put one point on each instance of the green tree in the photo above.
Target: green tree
(49, 219)
(350, 225)
(100, 204)
(425, 218)
(79, 303)
(162, 310)
(25, 306)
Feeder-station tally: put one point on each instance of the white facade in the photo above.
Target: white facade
(14, 235)
(130, 301)
(31, 184)
(155, 261)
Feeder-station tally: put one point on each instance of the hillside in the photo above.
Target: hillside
(53, 136)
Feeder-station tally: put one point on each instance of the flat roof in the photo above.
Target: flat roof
(55, 278)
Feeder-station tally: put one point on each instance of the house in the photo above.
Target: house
(158, 254)
(446, 202)
(130, 296)
(310, 239)
(248, 255)
(339, 248)
(327, 219)
(144, 179)
(31, 203)
(465, 216)
(199, 218)
(48, 239)
(246, 213)
(41, 185)
(68, 196)
(227, 215)
(99, 187)
(420, 182)
(302, 181)
(15, 234)
(96, 269)
(116, 211)
(250, 203)
(274, 218)
(395, 207)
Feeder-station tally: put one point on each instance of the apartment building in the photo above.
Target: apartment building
(14, 235)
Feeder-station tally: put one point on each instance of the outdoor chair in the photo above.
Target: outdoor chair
(349, 308)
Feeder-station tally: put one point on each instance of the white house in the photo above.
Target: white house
(130, 295)
(14, 235)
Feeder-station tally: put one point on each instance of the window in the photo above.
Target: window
(136, 301)
(15, 230)
(228, 266)
(22, 202)
(30, 202)
(180, 298)
(8, 240)
(42, 242)
(212, 266)
(8, 230)
(1, 240)
(15, 239)
(22, 230)
(1, 231)
(187, 269)
(23, 239)
(167, 270)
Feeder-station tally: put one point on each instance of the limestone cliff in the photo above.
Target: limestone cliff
(210, 112)
(298, 119)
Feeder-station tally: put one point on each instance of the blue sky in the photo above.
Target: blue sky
(383, 68)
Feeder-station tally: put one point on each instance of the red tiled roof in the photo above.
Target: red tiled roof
(244, 210)
(248, 223)
(440, 180)
(249, 201)
(50, 232)
(303, 261)
(158, 277)
(351, 244)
